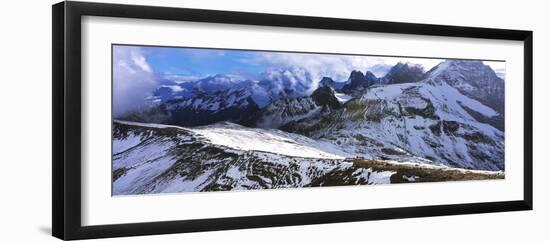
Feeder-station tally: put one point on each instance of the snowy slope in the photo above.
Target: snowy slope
(267, 140)
(153, 158)
(285, 110)
(242, 138)
(473, 79)
(420, 122)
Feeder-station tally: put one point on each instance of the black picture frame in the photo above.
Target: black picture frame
(66, 75)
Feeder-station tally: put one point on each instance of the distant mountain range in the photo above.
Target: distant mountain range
(223, 98)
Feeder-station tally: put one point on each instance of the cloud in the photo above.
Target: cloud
(337, 67)
(133, 80)
(180, 78)
(202, 54)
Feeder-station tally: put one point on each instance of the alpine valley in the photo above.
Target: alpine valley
(287, 128)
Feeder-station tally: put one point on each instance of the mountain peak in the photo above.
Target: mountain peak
(457, 65)
(370, 76)
(404, 73)
(472, 78)
(358, 81)
(327, 81)
(356, 75)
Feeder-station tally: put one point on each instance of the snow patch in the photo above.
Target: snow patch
(410, 178)
(343, 98)
(267, 140)
(120, 145)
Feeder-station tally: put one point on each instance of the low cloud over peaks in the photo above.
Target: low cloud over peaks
(133, 79)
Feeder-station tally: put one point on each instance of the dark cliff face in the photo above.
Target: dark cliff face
(324, 96)
(404, 73)
(358, 81)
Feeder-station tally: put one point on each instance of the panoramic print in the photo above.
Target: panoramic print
(197, 119)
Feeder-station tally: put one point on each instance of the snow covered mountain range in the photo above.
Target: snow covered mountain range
(288, 130)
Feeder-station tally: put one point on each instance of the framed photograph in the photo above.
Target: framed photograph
(171, 120)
